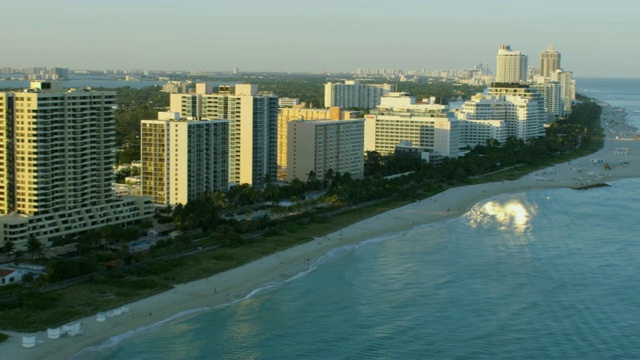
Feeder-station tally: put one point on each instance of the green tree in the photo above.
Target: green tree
(35, 247)
(8, 247)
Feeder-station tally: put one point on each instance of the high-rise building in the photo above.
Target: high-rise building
(399, 119)
(549, 61)
(568, 87)
(511, 66)
(183, 159)
(253, 127)
(520, 107)
(323, 145)
(553, 98)
(57, 150)
(353, 94)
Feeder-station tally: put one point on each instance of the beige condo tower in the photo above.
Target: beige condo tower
(57, 151)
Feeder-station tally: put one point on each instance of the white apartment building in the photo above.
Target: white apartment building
(553, 100)
(568, 87)
(183, 159)
(253, 127)
(57, 151)
(519, 106)
(511, 65)
(399, 119)
(477, 132)
(354, 94)
(321, 145)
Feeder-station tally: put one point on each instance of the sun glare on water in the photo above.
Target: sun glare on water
(513, 216)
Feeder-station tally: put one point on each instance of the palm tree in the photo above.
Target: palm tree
(8, 247)
(271, 192)
(35, 247)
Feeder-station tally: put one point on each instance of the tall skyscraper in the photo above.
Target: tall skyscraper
(549, 61)
(253, 127)
(183, 159)
(57, 151)
(511, 66)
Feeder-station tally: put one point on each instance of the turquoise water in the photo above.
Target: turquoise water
(544, 274)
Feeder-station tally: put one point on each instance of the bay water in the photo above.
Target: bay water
(542, 274)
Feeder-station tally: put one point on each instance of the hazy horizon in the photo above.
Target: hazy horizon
(334, 36)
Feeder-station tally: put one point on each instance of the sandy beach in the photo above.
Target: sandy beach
(621, 152)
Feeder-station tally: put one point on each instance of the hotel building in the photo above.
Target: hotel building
(519, 106)
(253, 127)
(323, 145)
(399, 119)
(477, 132)
(57, 153)
(183, 159)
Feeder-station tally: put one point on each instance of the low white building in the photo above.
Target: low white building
(288, 102)
(10, 276)
(14, 273)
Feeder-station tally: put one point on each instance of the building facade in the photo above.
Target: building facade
(549, 61)
(511, 66)
(183, 159)
(551, 91)
(477, 132)
(288, 102)
(289, 114)
(253, 128)
(568, 87)
(400, 119)
(323, 145)
(519, 106)
(353, 94)
(57, 150)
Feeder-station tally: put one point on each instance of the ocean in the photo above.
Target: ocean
(542, 274)
(623, 93)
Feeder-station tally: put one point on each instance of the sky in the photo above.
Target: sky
(594, 38)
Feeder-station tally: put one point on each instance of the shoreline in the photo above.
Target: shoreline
(621, 151)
